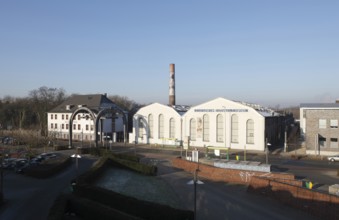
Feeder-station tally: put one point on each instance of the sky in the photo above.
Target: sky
(268, 52)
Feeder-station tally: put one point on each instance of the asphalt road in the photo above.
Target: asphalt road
(28, 198)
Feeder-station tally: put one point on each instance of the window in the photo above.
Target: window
(161, 126)
(55, 125)
(234, 129)
(79, 126)
(250, 132)
(141, 128)
(66, 117)
(334, 143)
(220, 128)
(92, 127)
(51, 125)
(206, 128)
(78, 117)
(150, 124)
(334, 123)
(87, 127)
(56, 116)
(74, 126)
(51, 116)
(322, 123)
(172, 128)
(62, 116)
(62, 126)
(66, 126)
(193, 129)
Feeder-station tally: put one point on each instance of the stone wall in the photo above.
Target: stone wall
(229, 175)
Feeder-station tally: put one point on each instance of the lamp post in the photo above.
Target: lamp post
(227, 152)
(76, 156)
(267, 144)
(194, 182)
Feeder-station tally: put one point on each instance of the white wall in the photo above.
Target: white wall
(212, 109)
(226, 108)
(155, 109)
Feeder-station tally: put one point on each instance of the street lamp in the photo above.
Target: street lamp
(76, 156)
(194, 182)
(267, 144)
(227, 154)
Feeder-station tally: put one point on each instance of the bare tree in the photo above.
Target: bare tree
(43, 99)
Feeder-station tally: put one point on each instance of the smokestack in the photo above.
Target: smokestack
(172, 85)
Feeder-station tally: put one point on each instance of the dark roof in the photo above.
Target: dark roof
(319, 105)
(94, 102)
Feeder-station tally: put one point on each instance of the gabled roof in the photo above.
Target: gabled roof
(94, 102)
(319, 105)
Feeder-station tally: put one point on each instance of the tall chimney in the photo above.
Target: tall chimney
(172, 85)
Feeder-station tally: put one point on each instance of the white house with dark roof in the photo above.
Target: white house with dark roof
(217, 123)
(83, 125)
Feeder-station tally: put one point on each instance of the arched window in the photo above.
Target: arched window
(234, 129)
(193, 129)
(141, 128)
(206, 128)
(250, 131)
(220, 128)
(161, 126)
(172, 128)
(150, 125)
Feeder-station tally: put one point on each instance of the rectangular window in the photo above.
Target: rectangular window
(62, 126)
(62, 116)
(79, 126)
(56, 116)
(51, 116)
(52, 125)
(334, 143)
(334, 123)
(74, 126)
(161, 126)
(322, 123)
(150, 124)
(220, 128)
(78, 117)
(86, 127)
(172, 128)
(66, 117)
(55, 125)
(66, 126)
(92, 127)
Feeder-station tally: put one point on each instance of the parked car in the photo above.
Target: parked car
(20, 165)
(47, 156)
(333, 158)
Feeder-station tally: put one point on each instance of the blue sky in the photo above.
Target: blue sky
(270, 52)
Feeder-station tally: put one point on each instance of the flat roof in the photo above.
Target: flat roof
(319, 105)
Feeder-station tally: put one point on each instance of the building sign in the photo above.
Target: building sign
(219, 110)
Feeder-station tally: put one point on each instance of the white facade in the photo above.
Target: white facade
(58, 126)
(156, 124)
(218, 123)
(225, 123)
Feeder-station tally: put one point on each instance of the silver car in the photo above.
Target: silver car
(333, 158)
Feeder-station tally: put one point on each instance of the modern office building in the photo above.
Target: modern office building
(319, 128)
